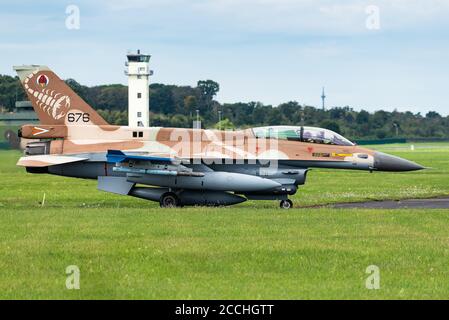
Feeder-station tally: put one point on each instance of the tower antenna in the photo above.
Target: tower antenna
(323, 98)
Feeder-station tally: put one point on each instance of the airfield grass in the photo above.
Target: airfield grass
(130, 248)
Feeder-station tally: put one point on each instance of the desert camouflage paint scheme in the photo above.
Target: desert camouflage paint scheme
(188, 166)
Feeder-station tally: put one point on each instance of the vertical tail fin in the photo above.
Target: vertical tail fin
(53, 100)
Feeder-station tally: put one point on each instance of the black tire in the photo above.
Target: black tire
(169, 200)
(286, 204)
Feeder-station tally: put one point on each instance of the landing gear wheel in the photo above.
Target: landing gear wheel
(169, 200)
(286, 204)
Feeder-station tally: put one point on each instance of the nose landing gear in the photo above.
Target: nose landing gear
(286, 204)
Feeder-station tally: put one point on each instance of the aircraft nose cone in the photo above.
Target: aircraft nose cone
(387, 162)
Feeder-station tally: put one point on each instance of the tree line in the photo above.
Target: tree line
(177, 106)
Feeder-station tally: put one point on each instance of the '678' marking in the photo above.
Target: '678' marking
(78, 117)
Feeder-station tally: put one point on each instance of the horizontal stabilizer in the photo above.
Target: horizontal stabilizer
(115, 156)
(47, 160)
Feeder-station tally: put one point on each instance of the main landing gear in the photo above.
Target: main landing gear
(286, 204)
(169, 200)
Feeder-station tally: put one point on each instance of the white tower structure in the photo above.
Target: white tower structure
(138, 73)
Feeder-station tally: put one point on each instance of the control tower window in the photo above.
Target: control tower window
(138, 58)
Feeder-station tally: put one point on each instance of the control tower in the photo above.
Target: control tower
(138, 72)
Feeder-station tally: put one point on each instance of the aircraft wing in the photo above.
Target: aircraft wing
(47, 160)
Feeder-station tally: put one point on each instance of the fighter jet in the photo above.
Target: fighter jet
(177, 166)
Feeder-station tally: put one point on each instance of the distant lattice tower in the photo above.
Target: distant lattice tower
(138, 73)
(323, 98)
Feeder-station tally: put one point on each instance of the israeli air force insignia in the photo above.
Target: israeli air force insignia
(42, 80)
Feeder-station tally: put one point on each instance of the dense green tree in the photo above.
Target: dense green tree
(381, 134)
(161, 99)
(331, 125)
(80, 90)
(362, 117)
(190, 105)
(224, 124)
(10, 91)
(112, 97)
(208, 88)
(180, 121)
(433, 115)
(260, 114)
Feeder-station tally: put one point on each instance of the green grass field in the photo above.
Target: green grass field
(130, 248)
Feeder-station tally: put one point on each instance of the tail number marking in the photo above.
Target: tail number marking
(78, 117)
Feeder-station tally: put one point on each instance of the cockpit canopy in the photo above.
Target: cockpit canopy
(303, 134)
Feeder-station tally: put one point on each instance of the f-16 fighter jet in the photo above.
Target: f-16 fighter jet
(176, 166)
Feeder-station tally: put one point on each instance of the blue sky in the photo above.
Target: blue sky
(271, 51)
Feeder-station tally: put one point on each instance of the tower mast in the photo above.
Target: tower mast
(323, 98)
